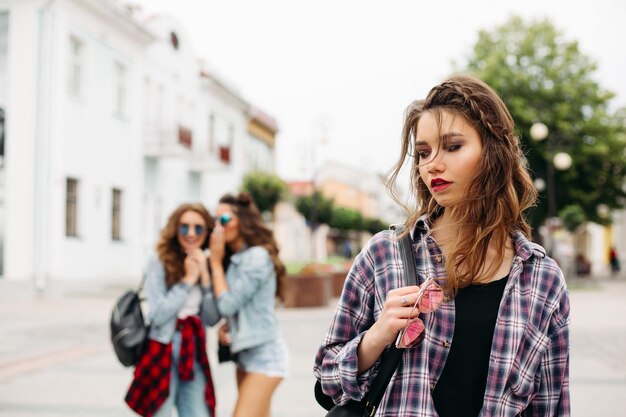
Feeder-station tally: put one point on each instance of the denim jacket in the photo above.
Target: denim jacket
(249, 303)
(164, 304)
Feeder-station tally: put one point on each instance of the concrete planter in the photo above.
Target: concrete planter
(337, 280)
(307, 289)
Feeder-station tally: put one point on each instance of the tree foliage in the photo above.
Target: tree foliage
(315, 208)
(544, 78)
(346, 219)
(266, 189)
(374, 226)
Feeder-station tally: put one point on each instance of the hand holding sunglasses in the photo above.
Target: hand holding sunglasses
(428, 299)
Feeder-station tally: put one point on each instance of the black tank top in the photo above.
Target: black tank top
(461, 387)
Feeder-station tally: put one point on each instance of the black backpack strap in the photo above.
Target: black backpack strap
(142, 283)
(392, 356)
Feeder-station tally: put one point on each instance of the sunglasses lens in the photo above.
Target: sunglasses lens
(224, 219)
(431, 298)
(184, 229)
(413, 334)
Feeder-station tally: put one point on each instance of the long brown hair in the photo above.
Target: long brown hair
(169, 251)
(256, 233)
(499, 192)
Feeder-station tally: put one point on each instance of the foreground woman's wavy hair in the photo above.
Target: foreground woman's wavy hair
(500, 190)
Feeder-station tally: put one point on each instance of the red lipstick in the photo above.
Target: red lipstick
(439, 184)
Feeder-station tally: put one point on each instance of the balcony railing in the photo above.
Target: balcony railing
(178, 142)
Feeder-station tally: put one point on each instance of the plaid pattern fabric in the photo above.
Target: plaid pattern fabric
(529, 361)
(151, 383)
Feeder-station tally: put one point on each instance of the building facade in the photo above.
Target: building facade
(109, 121)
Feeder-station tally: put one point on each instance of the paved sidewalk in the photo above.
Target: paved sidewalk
(56, 360)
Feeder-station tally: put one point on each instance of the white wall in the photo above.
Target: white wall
(99, 147)
(53, 135)
(21, 131)
(228, 110)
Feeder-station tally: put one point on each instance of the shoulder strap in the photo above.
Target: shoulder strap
(408, 259)
(392, 356)
(142, 283)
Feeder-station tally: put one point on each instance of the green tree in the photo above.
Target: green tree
(544, 78)
(374, 226)
(315, 208)
(573, 216)
(346, 219)
(266, 189)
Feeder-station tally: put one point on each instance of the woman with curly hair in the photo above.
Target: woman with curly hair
(247, 277)
(174, 372)
(486, 331)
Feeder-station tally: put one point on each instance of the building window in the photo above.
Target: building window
(75, 67)
(71, 207)
(185, 137)
(116, 215)
(174, 40)
(225, 147)
(120, 89)
(1, 132)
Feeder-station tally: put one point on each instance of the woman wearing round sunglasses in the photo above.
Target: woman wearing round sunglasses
(486, 331)
(174, 372)
(247, 276)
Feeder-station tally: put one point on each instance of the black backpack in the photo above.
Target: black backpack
(129, 331)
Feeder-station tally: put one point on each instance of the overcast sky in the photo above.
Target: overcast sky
(341, 72)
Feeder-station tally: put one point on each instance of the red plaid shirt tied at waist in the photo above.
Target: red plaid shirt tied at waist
(151, 383)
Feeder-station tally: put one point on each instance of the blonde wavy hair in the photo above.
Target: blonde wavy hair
(499, 192)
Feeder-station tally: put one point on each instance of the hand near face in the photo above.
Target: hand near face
(192, 270)
(217, 244)
(198, 256)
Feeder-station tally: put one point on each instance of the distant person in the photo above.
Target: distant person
(486, 332)
(614, 261)
(174, 372)
(583, 266)
(247, 277)
(347, 249)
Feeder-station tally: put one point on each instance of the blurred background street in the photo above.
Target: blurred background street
(56, 359)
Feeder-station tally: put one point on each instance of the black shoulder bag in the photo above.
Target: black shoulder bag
(129, 331)
(390, 359)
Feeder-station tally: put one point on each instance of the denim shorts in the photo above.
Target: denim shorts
(270, 359)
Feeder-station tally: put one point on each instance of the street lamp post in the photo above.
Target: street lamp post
(555, 159)
(319, 136)
(559, 160)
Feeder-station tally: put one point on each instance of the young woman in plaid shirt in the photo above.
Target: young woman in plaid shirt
(488, 334)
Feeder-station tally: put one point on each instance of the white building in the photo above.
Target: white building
(71, 73)
(110, 124)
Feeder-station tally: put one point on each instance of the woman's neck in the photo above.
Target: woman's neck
(497, 260)
(443, 228)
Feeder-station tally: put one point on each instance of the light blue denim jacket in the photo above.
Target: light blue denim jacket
(249, 303)
(163, 304)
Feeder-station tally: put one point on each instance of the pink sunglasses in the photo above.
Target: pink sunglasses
(429, 298)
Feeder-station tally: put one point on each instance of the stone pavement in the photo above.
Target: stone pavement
(56, 360)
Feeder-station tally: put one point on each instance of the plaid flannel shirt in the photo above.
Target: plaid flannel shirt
(529, 361)
(151, 380)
